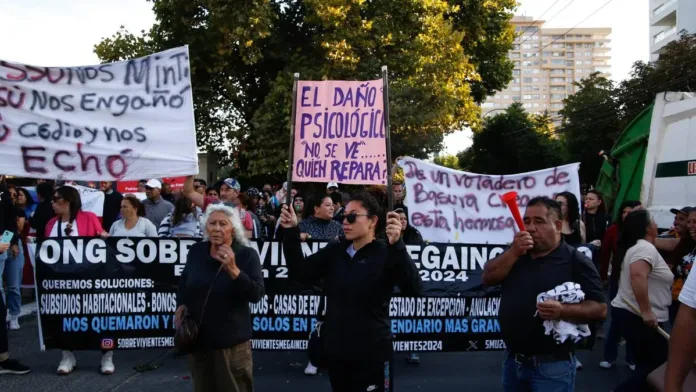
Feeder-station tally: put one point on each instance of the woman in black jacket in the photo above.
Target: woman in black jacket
(360, 273)
(226, 267)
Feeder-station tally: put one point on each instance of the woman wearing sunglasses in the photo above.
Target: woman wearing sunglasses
(71, 221)
(360, 273)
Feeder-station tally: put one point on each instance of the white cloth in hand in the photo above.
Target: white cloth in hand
(567, 293)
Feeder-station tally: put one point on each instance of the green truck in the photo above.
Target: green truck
(654, 159)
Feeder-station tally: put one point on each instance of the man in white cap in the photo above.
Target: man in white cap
(156, 208)
(332, 188)
(229, 195)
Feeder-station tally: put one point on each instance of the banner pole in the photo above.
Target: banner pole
(385, 96)
(288, 198)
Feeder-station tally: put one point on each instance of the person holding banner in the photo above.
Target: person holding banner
(71, 221)
(221, 278)
(538, 261)
(133, 223)
(360, 273)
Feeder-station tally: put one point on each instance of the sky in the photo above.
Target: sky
(64, 32)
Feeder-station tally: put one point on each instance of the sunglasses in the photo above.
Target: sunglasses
(352, 217)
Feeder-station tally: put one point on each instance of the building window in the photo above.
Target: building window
(558, 96)
(558, 61)
(535, 96)
(527, 79)
(515, 89)
(516, 98)
(526, 46)
(557, 80)
(487, 105)
(527, 105)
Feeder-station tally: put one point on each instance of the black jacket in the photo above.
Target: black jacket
(42, 215)
(112, 207)
(8, 215)
(358, 290)
(227, 318)
(595, 226)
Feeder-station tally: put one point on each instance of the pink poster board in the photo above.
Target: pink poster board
(339, 133)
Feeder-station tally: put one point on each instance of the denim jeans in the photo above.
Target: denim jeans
(557, 376)
(12, 268)
(611, 342)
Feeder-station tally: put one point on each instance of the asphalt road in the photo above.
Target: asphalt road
(160, 370)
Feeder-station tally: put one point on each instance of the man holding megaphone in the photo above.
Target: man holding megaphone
(539, 262)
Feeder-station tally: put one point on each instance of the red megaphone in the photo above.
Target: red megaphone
(510, 199)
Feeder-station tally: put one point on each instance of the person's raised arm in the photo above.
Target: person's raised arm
(666, 244)
(404, 271)
(305, 269)
(495, 271)
(190, 193)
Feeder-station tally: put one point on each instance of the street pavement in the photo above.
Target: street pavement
(160, 370)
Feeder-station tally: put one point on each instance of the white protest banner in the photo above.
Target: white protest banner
(92, 199)
(339, 132)
(126, 120)
(448, 205)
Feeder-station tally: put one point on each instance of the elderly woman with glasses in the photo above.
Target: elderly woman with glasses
(71, 221)
(221, 278)
(360, 273)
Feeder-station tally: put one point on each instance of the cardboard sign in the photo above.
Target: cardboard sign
(447, 205)
(126, 120)
(339, 133)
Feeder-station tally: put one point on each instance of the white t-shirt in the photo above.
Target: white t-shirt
(688, 292)
(54, 230)
(143, 228)
(660, 280)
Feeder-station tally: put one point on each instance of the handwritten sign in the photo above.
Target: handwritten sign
(339, 133)
(119, 121)
(447, 205)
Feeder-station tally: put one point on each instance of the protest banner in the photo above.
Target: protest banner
(119, 121)
(121, 293)
(448, 205)
(339, 132)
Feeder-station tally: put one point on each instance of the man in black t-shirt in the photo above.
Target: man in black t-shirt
(536, 262)
(112, 205)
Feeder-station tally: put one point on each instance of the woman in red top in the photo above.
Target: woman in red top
(71, 221)
(609, 248)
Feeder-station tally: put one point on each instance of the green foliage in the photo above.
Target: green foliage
(513, 142)
(450, 161)
(591, 123)
(595, 116)
(443, 57)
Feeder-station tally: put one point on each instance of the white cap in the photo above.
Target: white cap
(154, 184)
(332, 185)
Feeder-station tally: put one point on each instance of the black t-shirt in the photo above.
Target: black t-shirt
(522, 331)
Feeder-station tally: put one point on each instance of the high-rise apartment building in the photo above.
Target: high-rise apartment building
(548, 62)
(667, 19)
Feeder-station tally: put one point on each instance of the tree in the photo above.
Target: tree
(450, 161)
(443, 58)
(591, 123)
(513, 142)
(596, 115)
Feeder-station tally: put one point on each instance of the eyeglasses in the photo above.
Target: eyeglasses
(352, 217)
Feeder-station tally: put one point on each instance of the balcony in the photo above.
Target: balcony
(665, 14)
(664, 35)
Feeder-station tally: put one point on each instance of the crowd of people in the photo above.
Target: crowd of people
(646, 275)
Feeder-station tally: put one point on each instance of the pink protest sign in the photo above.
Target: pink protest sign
(339, 133)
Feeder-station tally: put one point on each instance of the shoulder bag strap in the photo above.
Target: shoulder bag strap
(205, 303)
